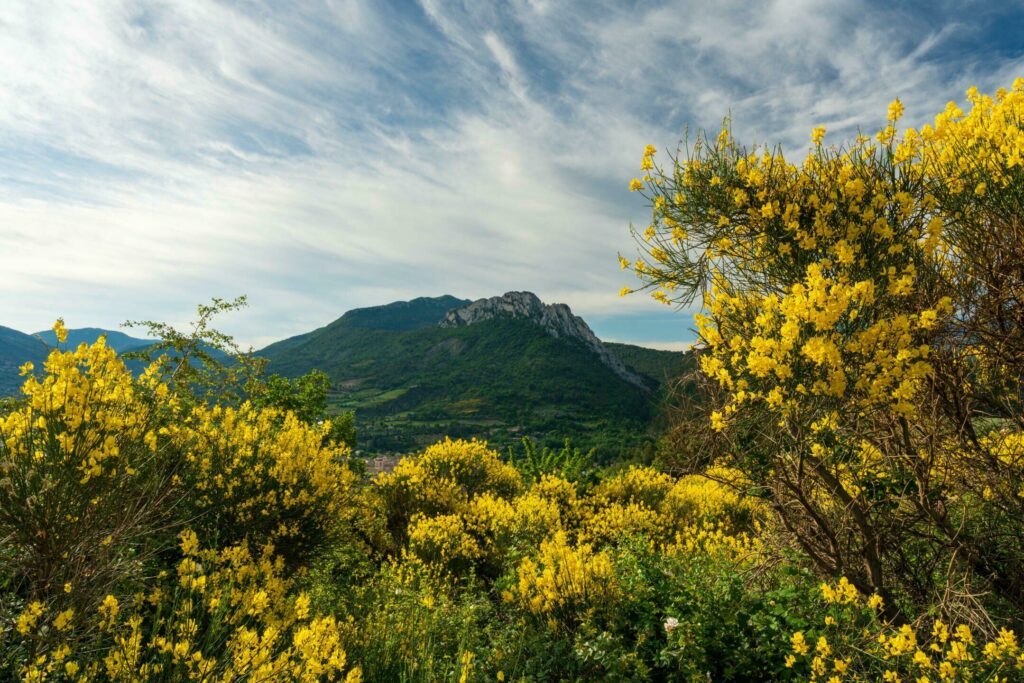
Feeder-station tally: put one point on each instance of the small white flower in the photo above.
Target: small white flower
(671, 624)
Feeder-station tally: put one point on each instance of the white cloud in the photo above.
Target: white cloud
(321, 157)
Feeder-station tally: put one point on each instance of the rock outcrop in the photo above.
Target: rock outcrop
(556, 319)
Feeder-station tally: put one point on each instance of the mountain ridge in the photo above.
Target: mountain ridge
(119, 341)
(557, 319)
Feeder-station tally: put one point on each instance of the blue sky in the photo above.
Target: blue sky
(326, 155)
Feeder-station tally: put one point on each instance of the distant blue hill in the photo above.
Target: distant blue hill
(119, 341)
(16, 349)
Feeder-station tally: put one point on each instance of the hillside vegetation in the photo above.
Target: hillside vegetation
(411, 382)
(661, 366)
(848, 505)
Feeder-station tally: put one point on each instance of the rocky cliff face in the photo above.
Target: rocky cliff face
(556, 319)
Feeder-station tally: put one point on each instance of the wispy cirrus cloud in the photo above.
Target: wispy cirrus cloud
(326, 155)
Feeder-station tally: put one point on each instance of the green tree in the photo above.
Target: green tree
(306, 396)
(201, 362)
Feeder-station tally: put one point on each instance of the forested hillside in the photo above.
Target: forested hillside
(411, 381)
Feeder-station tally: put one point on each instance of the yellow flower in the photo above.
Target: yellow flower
(60, 331)
(27, 620)
(895, 110)
(564, 579)
(63, 620)
(189, 542)
(818, 134)
(108, 610)
(302, 607)
(799, 643)
(635, 185)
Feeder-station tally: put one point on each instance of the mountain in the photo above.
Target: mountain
(119, 341)
(556, 319)
(16, 349)
(658, 365)
(404, 315)
(501, 368)
(414, 371)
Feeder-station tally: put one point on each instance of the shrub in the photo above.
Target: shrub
(567, 462)
(265, 476)
(856, 337)
(443, 479)
(412, 627)
(98, 472)
(563, 583)
(223, 615)
(86, 495)
(850, 636)
(641, 485)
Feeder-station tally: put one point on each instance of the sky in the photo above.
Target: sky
(326, 155)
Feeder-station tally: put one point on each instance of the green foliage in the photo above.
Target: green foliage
(306, 397)
(205, 364)
(499, 379)
(202, 362)
(412, 627)
(567, 462)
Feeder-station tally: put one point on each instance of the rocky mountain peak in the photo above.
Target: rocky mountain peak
(556, 319)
